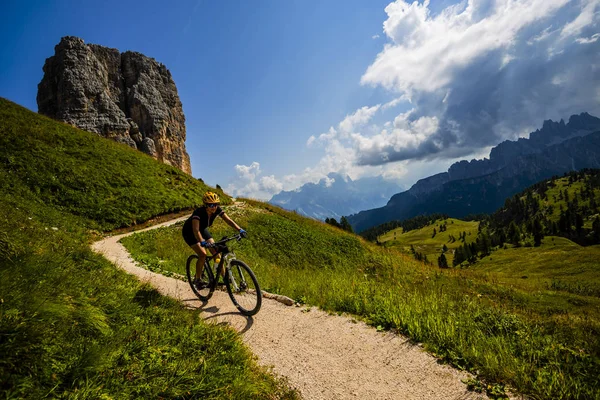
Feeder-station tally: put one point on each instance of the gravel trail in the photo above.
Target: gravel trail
(323, 356)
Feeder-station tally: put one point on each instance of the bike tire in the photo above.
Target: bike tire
(207, 275)
(244, 290)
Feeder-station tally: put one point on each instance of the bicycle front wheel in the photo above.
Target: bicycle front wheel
(243, 288)
(205, 288)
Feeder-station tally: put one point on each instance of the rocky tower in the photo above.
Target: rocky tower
(127, 97)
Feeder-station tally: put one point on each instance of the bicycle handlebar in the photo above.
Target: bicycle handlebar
(226, 239)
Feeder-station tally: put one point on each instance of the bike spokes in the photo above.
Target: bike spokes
(203, 285)
(243, 288)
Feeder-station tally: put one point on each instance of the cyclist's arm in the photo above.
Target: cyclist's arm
(196, 229)
(230, 222)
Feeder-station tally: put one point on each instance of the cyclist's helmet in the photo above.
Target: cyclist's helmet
(210, 197)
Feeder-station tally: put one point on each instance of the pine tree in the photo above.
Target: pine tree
(536, 230)
(514, 234)
(459, 256)
(578, 222)
(596, 229)
(484, 244)
(345, 225)
(442, 261)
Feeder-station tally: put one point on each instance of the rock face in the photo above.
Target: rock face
(481, 186)
(127, 97)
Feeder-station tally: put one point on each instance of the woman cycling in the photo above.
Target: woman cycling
(195, 230)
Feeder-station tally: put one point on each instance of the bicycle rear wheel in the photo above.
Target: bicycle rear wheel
(243, 288)
(204, 292)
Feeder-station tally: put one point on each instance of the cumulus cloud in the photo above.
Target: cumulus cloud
(249, 182)
(479, 72)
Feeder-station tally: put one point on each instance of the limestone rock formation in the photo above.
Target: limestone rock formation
(126, 96)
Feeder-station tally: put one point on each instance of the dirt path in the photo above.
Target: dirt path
(323, 356)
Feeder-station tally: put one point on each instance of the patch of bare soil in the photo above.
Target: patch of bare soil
(323, 356)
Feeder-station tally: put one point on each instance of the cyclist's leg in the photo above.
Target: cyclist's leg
(199, 250)
(208, 237)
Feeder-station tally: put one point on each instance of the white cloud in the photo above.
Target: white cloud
(249, 183)
(270, 184)
(375, 37)
(395, 102)
(406, 137)
(359, 118)
(328, 181)
(545, 34)
(584, 19)
(427, 52)
(591, 39)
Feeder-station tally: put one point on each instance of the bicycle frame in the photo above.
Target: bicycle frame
(227, 256)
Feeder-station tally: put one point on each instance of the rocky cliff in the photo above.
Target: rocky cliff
(481, 186)
(126, 96)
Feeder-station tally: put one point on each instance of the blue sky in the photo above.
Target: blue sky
(280, 93)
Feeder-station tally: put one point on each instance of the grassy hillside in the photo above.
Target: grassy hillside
(470, 319)
(566, 206)
(71, 324)
(424, 240)
(558, 265)
(107, 184)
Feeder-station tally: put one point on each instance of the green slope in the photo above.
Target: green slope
(562, 206)
(468, 318)
(71, 324)
(565, 275)
(424, 241)
(108, 184)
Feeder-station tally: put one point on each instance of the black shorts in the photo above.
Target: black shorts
(190, 238)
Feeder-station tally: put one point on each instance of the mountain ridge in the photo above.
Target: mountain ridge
(513, 165)
(335, 196)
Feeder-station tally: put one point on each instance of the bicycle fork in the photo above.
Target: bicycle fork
(235, 286)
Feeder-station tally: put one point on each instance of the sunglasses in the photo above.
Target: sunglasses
(212, 205)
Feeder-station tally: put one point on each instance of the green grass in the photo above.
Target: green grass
(468, 318)
(558, 268)
(77, 172)
(426, 243)
(554, 200)
(71, 324)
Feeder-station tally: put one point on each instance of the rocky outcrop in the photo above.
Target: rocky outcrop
(127, 97)
(481, 186)
(504, 154)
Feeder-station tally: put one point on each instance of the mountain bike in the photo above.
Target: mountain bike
(240, 281)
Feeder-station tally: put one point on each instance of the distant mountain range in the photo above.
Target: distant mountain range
(481, 186)
(336, 195)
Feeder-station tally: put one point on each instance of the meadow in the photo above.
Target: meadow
(430, 243)
(541, 340)
(74, 326)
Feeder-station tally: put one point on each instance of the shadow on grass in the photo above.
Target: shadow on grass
(146, 297)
